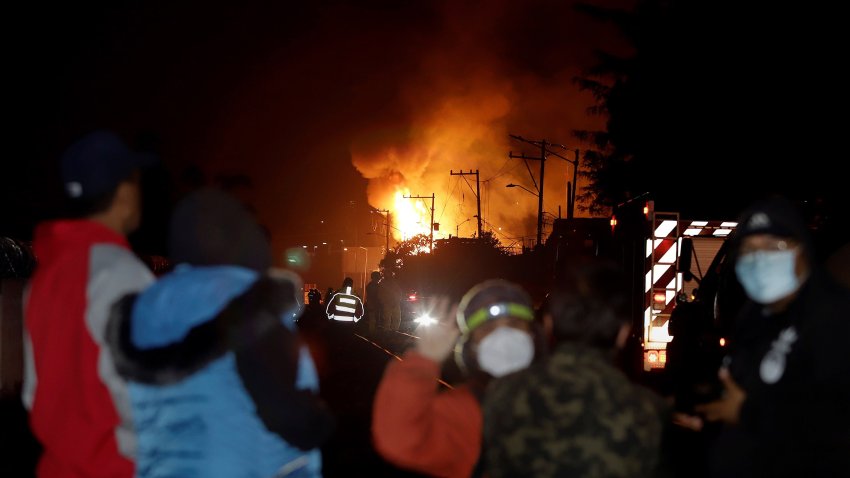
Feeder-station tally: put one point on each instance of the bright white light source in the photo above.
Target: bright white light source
(425, 320)
(494, 310)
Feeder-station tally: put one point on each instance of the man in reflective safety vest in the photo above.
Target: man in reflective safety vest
(344, 306)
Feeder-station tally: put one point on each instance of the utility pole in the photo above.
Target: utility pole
(542, 158)
(477, 192)
(431, 240)
(571, 191)
(386, 213)
(544, 152)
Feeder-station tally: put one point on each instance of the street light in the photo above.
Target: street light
(544, 152)
(512, 185)
(539, 195)
(356, 261)
(457, 228)
(365, 265)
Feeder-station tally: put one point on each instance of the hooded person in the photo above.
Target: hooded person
(220, 384)
(787, 375)
(418, 427)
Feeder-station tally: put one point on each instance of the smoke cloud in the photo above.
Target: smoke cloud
(484, 76)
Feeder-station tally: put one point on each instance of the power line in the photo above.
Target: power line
(500, 171)
(544, 152)
(476, 191)
(487, 195)
(446, 202)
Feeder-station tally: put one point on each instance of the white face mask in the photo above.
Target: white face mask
(768, 276)
(505, 350)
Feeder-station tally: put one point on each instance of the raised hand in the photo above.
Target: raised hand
(437, 340)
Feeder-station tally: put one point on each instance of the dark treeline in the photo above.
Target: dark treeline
(719, 103)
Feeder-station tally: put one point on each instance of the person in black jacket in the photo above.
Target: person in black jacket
(786, 400)
(373, 302)
(345, 306)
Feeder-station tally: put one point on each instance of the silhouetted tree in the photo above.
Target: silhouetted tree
(395, 257)
(607, 163)
(489, 240)
(413, 246)
(712, 102)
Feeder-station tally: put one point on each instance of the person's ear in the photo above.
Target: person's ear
(548, 326)
(623, 335)
(801, 267)
(127, 205)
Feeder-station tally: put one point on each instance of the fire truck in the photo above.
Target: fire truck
(665, 258)
(668, 261)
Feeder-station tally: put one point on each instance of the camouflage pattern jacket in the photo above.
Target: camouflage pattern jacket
(575, 414)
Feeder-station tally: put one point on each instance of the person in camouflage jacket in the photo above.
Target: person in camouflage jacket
(577, 414)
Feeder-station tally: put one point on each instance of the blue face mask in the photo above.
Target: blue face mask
(768, 276)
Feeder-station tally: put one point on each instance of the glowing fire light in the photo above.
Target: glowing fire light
(410, 216)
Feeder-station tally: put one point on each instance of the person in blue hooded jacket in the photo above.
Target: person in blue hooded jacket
(220, 385)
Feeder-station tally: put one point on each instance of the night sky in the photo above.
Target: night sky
(312, 110)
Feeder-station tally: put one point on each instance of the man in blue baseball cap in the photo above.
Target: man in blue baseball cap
(786, 379)
(78, 406)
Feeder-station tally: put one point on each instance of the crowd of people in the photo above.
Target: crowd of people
(202, 372)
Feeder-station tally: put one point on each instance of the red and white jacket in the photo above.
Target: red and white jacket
(79, 408)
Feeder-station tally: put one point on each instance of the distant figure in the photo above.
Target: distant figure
(373, 302)
(314, 314)
(78, 406)
(390, 293)
(787, 384)
(345, 306)
(438, 433)
(314, 297)
(576, 414)
(221, 385)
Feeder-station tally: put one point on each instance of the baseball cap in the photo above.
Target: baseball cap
(778, 217)
(775, 216)
(98, 162)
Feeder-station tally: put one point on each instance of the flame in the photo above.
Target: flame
(455, 114)
(410, 216)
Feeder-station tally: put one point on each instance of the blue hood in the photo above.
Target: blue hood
(184, 299)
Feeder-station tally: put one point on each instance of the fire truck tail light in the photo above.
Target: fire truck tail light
(648, 208)
(655, 359)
